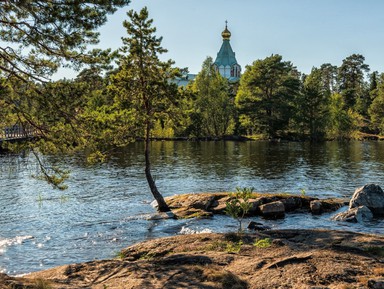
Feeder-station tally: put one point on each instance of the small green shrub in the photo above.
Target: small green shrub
(120, 255)
(225, 246)
(263, 243)
(238, 206)
(234, 247)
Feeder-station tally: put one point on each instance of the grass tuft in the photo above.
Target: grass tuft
(263, 243)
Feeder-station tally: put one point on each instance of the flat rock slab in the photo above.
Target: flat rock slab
(294, 259)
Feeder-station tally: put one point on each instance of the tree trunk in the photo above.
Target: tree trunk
(162, 205)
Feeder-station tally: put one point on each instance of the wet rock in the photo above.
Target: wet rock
(316, 207)
(371, 196)
(257, 226)
(219, 209)
(219, 205)
(274, 210)
(331, 205)
(202, 203)
(359, 214)
(255, 209)
(292, 203)
(279, 242)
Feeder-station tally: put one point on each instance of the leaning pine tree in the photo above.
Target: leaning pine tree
(141, 87)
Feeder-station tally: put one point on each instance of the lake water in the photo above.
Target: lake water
(106, 207)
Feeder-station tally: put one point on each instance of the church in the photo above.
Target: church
(225, 63)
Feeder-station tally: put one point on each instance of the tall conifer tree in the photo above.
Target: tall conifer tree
(142, 86)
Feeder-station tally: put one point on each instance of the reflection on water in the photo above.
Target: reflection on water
(106, 206)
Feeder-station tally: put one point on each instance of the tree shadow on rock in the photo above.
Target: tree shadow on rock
(190, 271)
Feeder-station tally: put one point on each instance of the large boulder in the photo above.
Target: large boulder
(316, 207)
(274, 210)
(371, 196)
(355, 215)
(257, 226)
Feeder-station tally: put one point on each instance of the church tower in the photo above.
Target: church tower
(226, 62)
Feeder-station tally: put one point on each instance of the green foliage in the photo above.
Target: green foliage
(143, 97)
(311, 105)
(264, 99)
(142, 94)
(212, 109)
(376, 109)
(225, 246)
(342, 121)
(39, 36)
(263, 243)
(234, 247)
(238, 206)
(120, 255)
(351, 75)
(303, 192)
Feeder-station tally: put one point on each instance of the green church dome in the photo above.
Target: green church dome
(226, 62)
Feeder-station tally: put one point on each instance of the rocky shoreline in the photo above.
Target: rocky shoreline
(259, 258)
(270, 206)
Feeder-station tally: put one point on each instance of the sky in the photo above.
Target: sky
(308, 33)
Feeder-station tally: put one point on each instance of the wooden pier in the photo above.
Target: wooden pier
(16, 133)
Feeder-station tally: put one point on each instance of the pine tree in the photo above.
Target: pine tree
(213, 105)
(376, 109)
(37, 37)
(142, 86)
(265, 95)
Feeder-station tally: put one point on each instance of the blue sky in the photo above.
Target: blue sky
(306, 32)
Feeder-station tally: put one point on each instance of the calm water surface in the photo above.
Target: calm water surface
(106, 207)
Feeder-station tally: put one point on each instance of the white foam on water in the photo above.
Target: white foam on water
(188, 231)
(18, 240)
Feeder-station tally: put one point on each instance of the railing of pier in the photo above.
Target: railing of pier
(16, 132)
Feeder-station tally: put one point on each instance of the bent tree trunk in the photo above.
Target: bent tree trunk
(162, 205)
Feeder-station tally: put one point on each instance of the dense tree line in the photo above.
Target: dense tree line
(272, 100)
(275, 100)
